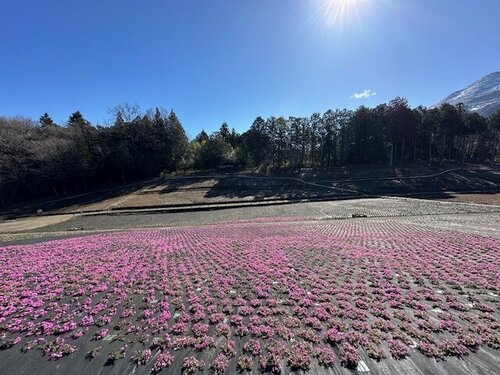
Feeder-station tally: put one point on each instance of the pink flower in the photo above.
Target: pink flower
(190, 365)
(299, 356)
(333, 336)
(220, 363)
(163, 360)
(252, 347)
(99, 335)
(200, 329)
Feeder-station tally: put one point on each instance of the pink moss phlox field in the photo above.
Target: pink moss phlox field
(253, 296)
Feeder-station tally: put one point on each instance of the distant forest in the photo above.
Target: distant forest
(42, 158)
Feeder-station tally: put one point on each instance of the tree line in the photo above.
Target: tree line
(390, 133)
(41, 158)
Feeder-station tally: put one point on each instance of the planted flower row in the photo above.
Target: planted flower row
(253, 296)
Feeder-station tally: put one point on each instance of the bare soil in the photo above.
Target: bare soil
(475, 184)
(484, 198)
(31, 223)
(469, 218)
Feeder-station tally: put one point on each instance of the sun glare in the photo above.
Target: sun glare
(340, 13)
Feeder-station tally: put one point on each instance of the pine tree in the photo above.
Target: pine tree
(46, 121)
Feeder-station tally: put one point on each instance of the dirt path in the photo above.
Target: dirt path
(30, 223)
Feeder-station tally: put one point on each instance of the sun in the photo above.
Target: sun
(340, 13)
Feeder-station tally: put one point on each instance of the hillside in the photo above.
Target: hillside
(197, 190)
(482, 96)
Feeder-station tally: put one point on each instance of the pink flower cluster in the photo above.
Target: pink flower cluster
(253, 296)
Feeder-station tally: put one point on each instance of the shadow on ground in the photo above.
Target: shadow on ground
(202, 188)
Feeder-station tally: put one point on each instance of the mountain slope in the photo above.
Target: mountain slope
(483, 96)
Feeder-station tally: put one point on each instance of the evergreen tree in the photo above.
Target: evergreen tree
(177, 141)
(202, 137)
(46, 121)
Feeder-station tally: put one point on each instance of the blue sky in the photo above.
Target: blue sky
(231, 60)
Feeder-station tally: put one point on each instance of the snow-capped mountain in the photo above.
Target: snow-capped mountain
(482, 96)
